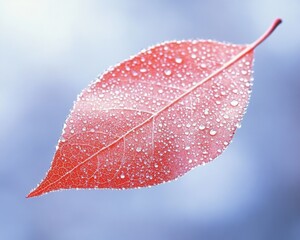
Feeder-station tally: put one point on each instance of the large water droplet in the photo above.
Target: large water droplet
(178, 60)
(212, 132)
(201, 127)
(138, 149)
(168, 72)
(203, 65)
(244, 72)
(234, 103)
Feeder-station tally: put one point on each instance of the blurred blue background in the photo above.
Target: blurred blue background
(51, 50)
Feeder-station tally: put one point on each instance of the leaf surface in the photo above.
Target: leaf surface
(154, 117)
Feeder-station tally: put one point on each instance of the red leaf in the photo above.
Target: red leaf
(154, 117)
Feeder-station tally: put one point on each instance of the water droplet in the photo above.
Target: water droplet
(160, 91)
(203, 65)
(168, 72)
(187, 148)
(122, 176)
(138, 149)
(244, 72)
(234, 103)
(156, 165)
(206, 111)
(226, 143)
(201, 127)
(193, 56)
(212, 132)
(178, 60)
(92, 130)
(83, 129)
(238, 125)
(62, 139)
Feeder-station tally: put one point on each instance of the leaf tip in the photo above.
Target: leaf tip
(32, 193)
(35, 192)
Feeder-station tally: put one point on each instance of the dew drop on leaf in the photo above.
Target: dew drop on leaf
(234, 103)
(244, 72)
(201, 127)
(203, 65)
(212, 132)
(138, 149)
(168, 72)
(178, 60)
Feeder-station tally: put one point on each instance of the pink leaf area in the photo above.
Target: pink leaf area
(154, 117)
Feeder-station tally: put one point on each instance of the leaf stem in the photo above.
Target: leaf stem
(275, 24)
